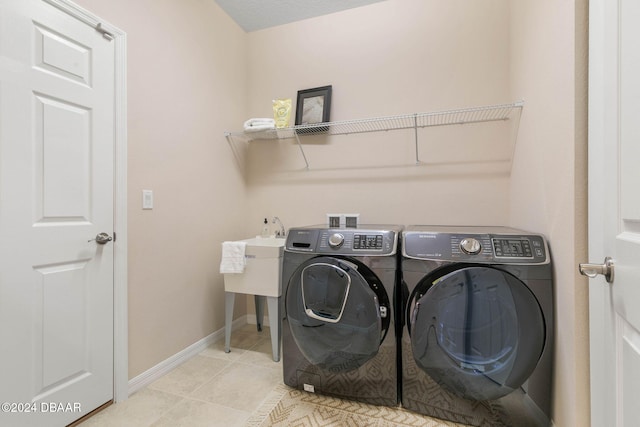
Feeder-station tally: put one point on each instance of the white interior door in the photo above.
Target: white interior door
(614, 210)
(56, 193)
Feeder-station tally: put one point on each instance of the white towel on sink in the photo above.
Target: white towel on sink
(233, 259)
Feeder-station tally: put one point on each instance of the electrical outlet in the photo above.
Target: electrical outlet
(351, 220)
(333, 220)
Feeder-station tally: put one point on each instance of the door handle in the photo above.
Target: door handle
(102, 239)
(592, 270)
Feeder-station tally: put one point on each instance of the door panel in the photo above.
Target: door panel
(56, 194)
(63, 146)
(63, 316)
(61, 55)
(614, 210)
(628, 346)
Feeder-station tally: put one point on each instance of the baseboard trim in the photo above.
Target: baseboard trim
(147, 377)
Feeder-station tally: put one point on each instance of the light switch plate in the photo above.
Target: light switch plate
(147, 199)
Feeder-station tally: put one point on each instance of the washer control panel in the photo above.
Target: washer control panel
(368, 241)
(336, 240)
(342, 241)
(505, 248)
(512, 248)
(469, 245)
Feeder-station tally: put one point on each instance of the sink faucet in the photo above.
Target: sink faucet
(281, 232)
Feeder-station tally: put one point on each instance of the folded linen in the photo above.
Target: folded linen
(233, 259)
(258, 124)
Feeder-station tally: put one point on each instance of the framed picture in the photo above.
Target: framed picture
(313, 105)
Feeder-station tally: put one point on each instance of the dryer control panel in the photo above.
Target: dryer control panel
(343, 241)
(506, 246)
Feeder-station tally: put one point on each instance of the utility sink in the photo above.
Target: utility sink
(264, 247)
(261, 278)
(263, 268)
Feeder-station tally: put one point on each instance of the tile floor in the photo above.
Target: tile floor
(211, 389)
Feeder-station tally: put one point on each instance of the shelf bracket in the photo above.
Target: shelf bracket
(415, 131)
(233, 147)
(301, 150)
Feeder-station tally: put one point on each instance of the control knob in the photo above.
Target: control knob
(336, 240)
(470, 246)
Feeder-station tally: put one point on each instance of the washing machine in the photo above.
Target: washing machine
(339, 333)
(477, 325)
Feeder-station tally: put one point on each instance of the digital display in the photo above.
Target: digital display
(367, 241)
(512, 248)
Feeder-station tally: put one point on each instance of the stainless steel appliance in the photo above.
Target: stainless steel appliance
(339, 331)
(477, 313)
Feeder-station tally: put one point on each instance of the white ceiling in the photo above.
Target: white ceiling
(254, 15)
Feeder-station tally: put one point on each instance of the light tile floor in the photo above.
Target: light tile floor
(211, 389)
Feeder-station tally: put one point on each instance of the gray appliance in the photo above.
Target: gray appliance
(477, 335)
(339, 332)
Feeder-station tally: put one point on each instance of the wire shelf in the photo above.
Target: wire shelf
(379, 124)
(415, 121)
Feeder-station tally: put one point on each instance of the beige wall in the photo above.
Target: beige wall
(392, 57)
(548, 184)
(186, 82)
(194, 74)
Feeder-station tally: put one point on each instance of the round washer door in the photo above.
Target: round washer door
(476, 330)
(338, 312)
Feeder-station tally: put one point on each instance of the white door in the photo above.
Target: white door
(614, 210)
(56, 193)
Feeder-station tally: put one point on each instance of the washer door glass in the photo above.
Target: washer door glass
(478, 331)
(336, 312)
(325, 288)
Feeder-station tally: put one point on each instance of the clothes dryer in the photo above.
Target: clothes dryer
(339, 331)
(477, 317)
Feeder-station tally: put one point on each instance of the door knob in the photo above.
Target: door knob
(102, 238)
(592, 270)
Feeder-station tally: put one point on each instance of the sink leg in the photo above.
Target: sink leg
(229, 300)
(273, 305)
(259, 300)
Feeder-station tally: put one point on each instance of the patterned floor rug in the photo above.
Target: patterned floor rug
(288, 407)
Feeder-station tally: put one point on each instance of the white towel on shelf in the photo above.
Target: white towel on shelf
(258, 124)
(233, 260)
